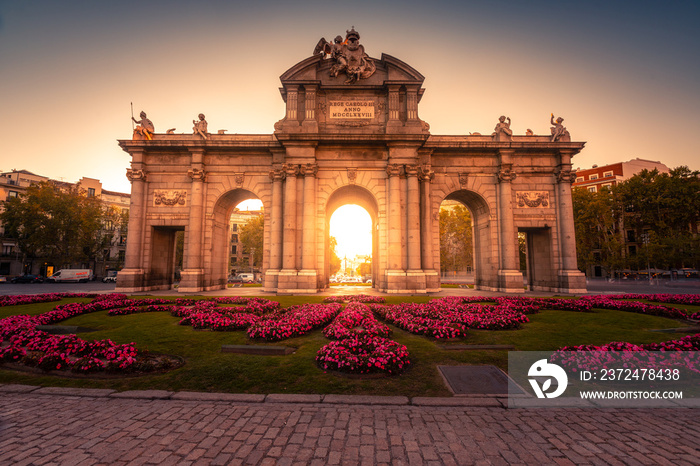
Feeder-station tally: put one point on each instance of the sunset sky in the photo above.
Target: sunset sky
(623, 74)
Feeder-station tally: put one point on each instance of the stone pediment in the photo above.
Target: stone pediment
(327, 95)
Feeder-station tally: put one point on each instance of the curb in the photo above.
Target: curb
(331, 399)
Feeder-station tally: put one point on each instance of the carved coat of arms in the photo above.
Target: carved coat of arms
(349, 55)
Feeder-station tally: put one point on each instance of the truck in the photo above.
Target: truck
(71, 275)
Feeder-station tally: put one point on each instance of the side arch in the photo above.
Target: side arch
(216, 263)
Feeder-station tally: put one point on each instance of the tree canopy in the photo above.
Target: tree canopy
(456, 241)
(251, 236)
(62, 226)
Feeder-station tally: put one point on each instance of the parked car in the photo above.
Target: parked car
(71, 275)
(3, 280)
(28, 278)
(235, 279)
(111, 277)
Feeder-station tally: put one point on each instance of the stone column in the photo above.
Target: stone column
(395, 273)
(413, 216)
(287, 276)
(132, 276)
(192, 276)
(432, 277)
(415, 278)
(570, 278)
(308, 274)
(277, 176)
(510, 277)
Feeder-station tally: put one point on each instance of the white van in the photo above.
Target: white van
(247, 277)
(71, 275)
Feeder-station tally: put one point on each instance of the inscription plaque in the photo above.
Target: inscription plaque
(351, 109)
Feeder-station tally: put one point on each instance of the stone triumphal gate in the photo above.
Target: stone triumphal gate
(351, 135)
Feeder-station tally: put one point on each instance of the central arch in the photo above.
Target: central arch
(363, 198)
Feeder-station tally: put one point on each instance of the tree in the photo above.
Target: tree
(598, 240)
(334, 259)
(60, 226)
(251, 236)
(456, 241)
(662, 210)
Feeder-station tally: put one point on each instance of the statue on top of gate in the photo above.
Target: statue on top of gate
(349, 56)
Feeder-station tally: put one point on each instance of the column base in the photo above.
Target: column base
(130, 280)
(572, 281)
(270, 280)
(432, 281)
(191, 280)
(510, 281)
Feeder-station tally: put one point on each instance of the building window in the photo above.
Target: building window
(91, 192)
(593, 189)
(593, 177)
(234, 238)
(606, 185)
(631, 236)
(632, 250)
(607, 174)
(579, 179)
(234, 227)
(234, 249)
(12, 194)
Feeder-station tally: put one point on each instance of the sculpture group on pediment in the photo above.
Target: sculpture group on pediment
(502, 131)
(349, 55)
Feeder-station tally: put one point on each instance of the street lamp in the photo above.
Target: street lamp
(645, 240)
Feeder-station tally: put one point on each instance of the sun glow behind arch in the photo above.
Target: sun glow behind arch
(351, 225)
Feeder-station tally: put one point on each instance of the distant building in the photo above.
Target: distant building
(241, 262)
(595, 178)
(16, 182)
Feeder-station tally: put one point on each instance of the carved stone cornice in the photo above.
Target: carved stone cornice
(196, 174)
(564, 175)
(393, 169)
(309, 169)
(290, 169)
(532, 198)
(277, 175)
(506, 174)
(135, 175)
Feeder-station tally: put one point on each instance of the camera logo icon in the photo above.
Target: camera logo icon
(541, 369)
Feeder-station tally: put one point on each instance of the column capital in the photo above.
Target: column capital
(196, 174)
(277, 175)
(135, 175)
(393, 169)
(506, 174)
(309, 169)
(290, 169)
(426, 174)
(412, 170)
(564, 174)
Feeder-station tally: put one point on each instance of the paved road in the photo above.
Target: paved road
(45, 426)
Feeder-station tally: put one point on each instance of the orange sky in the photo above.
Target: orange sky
(622, 74)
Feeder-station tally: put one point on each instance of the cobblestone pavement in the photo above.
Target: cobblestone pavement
(83, 426)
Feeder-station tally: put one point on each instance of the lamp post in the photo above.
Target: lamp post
(645, 240)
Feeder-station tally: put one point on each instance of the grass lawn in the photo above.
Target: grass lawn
(207, 369)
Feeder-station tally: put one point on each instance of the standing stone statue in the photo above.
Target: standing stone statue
(145, 127)
(502, 131)
(200, 127)
(559, 132)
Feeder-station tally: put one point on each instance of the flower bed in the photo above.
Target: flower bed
(293, 321)
(359, 298)
(355, 319)
(363, 354)
(617, 303)
(39, 298)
